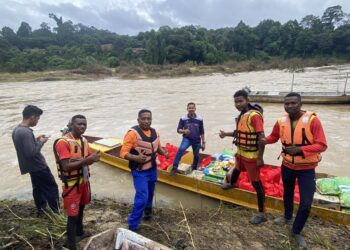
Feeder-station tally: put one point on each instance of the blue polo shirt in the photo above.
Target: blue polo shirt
(195, 124)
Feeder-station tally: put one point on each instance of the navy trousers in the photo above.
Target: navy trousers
(45, 189)
(185, 144)
(307, 188)
(144, 183)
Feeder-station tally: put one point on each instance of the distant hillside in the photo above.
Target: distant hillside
(70, 46)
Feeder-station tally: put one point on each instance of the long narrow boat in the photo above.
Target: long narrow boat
(307, 97)
(110, 155)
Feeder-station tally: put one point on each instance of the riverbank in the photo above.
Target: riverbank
(225, 227)
(140, 70)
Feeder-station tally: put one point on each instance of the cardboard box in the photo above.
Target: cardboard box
(197, 174)
(326, 201)
(184, 168)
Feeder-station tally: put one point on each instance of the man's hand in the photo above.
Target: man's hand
(186, 131)
(222, 134)
(42, 138)
(262, 141)
(260, 162)
(203, 146)
(141, 158)
(293, 150)
(94, 157)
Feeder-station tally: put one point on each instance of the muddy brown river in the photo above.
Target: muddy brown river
(111, 107)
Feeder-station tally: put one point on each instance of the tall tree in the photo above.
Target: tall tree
(24, 30)
(332, 16)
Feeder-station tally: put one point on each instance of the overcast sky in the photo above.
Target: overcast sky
(133, 16)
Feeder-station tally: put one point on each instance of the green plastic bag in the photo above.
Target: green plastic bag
(342, 180)
(228, 153)
(327, 186)
(345, 198)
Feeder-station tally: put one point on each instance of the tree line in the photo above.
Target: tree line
(69, 45)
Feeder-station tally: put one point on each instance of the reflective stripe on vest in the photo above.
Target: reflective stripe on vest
(301, 136)
(246, 139)
(75, 151)
(147, 146)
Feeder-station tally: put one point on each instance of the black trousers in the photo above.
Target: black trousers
(45, 189)
(307, 188)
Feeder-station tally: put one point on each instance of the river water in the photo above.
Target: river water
(111, 107)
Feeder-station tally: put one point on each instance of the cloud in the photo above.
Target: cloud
(131, 17)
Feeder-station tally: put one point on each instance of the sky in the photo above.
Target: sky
(133, 16)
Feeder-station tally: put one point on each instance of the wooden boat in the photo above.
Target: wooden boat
(110, 155)
(307, 97)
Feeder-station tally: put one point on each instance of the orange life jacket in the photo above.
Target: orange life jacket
(77, 152)
(300, 136)
(147, 146)
(245, 137)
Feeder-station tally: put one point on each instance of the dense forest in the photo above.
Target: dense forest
(69, 45)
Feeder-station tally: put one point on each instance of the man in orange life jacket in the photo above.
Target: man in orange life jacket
(73, 157)
(303, 140)
(141, 145)
(249, 156)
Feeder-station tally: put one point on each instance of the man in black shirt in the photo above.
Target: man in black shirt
(45, 189)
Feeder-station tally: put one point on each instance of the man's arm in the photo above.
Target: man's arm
(274, 136)
(203, 142)
(31, 146)
(129, 142)
(223, 134)
(201, 132)
(163, 151)
(68, 165)
(62, 149)
(261, 147)
(180, 128)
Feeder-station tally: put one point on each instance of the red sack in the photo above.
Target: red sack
(205, 161)
(246, 186)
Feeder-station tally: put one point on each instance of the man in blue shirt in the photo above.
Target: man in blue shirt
(192, 129)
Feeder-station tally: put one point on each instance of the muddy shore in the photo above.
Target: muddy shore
(225, 227)
(136, 71)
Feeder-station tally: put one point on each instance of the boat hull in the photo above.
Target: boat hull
(236, 196)
(317, 98)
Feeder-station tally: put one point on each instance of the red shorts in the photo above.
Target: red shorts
(76, 197)
(248, 165)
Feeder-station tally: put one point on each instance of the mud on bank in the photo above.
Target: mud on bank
(225, 227)
(140, 70)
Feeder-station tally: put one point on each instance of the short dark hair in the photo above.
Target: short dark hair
(241, 92)
(144, 111)
(31, 110)
(191, 103)
(294, 94)
(77, 117)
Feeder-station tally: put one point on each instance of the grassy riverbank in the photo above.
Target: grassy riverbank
(141, 70)
(225, 227)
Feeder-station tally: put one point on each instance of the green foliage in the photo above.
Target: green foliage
(71, 46)
(24, 30)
